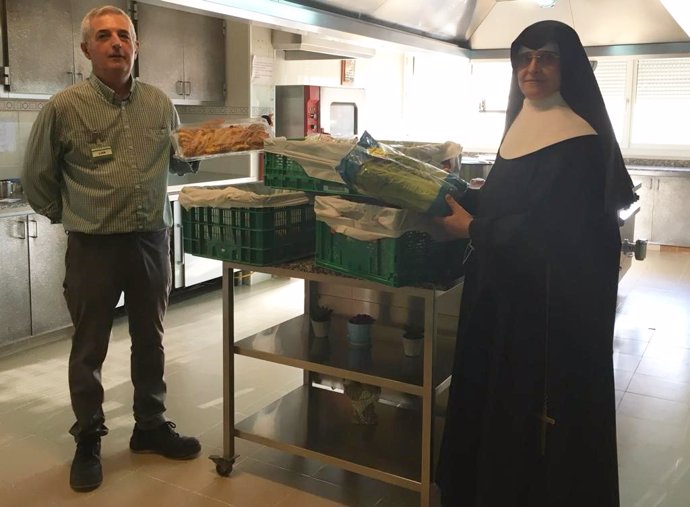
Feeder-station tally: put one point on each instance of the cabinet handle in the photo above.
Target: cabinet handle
(179, 87)
(35, 228)
(187, 87)
(81, 76)
(20, 228)
(178, 246)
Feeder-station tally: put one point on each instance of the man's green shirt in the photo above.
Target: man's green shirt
(99, 164)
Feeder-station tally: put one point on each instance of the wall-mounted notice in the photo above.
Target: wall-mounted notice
(262, 70)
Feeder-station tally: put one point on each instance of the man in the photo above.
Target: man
(97, 161)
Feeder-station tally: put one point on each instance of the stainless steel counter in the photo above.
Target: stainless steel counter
(648, 170)
(8, 209)
(21, 207)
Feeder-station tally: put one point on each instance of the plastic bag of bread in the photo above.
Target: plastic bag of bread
(219, 137)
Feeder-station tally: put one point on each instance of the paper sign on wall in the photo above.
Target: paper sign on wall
(262, 70)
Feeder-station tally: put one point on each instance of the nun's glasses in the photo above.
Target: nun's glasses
(542, 58)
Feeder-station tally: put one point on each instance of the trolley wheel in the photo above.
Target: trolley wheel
(223, 465)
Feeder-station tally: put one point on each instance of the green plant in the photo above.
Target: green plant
(361, 318)
(320, 313)
(413, 332)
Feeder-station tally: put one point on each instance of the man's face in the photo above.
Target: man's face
(110, 47)
(539, 74)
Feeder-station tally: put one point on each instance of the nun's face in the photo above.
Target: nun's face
(538, 73)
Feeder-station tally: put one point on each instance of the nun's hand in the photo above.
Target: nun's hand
(457, 224)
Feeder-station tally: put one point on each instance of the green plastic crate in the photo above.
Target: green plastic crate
(283, 172)
(258, 236)
(412, 259)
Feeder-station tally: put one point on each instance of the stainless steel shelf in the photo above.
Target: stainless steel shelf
(384, 364)
(316, 423)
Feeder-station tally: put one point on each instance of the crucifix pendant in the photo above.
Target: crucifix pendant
(545, 419)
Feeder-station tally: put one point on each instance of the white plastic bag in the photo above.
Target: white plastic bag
(247, 195)
(317, 158)
(368, 222)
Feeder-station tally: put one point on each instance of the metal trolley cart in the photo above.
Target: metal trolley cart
(315, 419)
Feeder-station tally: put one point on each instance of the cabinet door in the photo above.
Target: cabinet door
(643, 220)
(47, 246)
(15, 308)
(79, 8)
(204, 58)
(671, 211)
(39, 42)
(161, 52)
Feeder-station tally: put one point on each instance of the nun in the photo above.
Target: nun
(531, 412)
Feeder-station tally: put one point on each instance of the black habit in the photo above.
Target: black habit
(536, 319)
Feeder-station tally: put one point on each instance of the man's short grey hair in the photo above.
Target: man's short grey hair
(101, 11)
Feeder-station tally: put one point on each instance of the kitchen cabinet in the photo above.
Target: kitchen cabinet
(315, 419)
(665, 206)
(45, 60)
(32, 270)
(47, 246)
(182, 53)
(15, 305)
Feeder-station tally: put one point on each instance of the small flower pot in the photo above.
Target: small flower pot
(320, 328)
(412, 347)
(359, 335)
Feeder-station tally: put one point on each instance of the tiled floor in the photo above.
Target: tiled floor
(652, 358)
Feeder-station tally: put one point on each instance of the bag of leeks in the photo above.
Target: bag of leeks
(377, 170)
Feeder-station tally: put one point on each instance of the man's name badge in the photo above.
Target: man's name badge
(102, 152)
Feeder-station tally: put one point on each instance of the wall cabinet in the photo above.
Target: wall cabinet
(182, 53)
(45, 60)
(665, 208)
(32, 270)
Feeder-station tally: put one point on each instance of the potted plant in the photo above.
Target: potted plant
(359, 330)
(413, 340)
(320, 319)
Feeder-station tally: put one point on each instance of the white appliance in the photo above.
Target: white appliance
(302, 110)
(343, 110)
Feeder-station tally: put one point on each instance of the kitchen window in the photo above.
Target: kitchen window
(662, 103)
(485, 115)
(648, 101)
(612, 79)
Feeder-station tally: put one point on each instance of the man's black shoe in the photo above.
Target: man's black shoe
(164, 440)
(86, 473)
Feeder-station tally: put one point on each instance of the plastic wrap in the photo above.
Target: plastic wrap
(246, 195)
(318, 158)
(217, 138)
(369, 222)
(377, 170)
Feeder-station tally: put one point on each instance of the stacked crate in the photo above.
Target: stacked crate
(412, 259)
(258, 236)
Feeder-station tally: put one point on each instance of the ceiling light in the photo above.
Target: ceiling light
(546, 3)
(680, 10)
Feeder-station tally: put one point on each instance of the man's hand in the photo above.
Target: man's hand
(456, 224)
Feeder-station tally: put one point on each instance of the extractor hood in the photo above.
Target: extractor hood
(307, 47)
